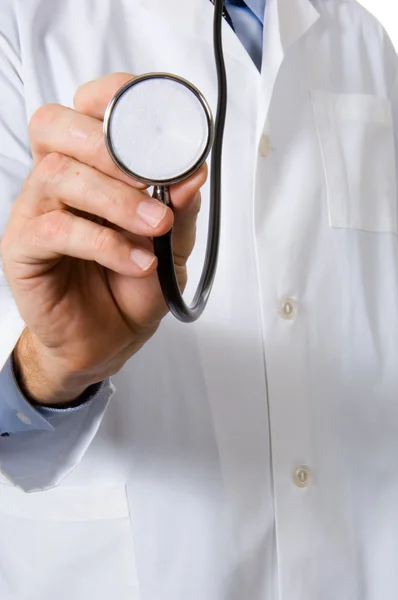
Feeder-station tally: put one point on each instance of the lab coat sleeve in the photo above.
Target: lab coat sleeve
(39, 459)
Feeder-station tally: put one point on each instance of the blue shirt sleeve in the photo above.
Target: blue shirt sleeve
(18, 415)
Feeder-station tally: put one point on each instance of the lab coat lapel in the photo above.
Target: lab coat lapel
(286, 21)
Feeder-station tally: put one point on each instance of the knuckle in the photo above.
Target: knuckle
(54, 224)
(113, 204)
(95, 142)
(118, 202)
(43, 118)
(179, 261)
(105, 240)
(52, 167)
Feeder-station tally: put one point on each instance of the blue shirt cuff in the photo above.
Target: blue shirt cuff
(18, 415)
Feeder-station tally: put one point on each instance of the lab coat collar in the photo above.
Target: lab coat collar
(285, 22)
(294, 18)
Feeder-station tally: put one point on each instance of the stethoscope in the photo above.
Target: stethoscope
(159, 130)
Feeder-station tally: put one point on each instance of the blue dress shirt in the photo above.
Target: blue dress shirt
(16, 413)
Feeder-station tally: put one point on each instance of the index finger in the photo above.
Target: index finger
(93, 97)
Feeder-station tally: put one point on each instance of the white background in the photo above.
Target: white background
(386, 12)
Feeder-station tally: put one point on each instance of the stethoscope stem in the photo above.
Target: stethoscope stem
(163, 246)
(162, 193)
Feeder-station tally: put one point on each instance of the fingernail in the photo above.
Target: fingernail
(151, 212)
(142, 258)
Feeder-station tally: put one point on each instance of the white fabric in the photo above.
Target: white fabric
(158, 129)
(210, 422)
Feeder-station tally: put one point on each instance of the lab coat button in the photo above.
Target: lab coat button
(24, 418)
(265, 146)
(288, 309)
(302, 476)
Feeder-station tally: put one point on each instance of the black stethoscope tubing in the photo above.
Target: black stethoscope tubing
(163, 247)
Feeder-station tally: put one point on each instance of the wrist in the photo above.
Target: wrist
(41, 377)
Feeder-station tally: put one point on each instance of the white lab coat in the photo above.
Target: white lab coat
(184, 485)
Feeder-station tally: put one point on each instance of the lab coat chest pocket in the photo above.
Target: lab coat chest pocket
(356, 139)
(67, 543)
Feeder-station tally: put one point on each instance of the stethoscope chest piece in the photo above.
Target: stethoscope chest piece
(159, 130)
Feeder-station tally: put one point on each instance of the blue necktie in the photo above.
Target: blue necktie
(248, 26)
(246, 19)
(257, 7)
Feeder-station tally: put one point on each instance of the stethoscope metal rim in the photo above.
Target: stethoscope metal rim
(108, 118)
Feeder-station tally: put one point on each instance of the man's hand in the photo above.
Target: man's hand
(78, 255)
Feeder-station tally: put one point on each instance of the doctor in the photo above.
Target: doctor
(254, 454)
